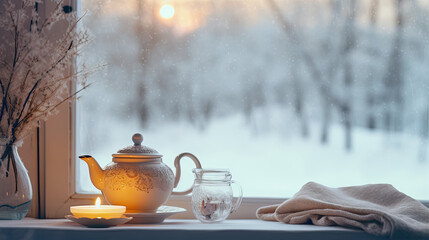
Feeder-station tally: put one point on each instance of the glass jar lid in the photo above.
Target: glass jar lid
(137, 150)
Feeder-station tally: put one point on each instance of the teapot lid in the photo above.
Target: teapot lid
(137, 150)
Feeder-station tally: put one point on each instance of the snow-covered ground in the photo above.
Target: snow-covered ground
(276, 161)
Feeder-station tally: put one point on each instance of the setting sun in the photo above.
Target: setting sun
(166, 11)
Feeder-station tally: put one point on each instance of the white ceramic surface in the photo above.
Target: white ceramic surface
(137, 178)
(99, 222)
(159, 216)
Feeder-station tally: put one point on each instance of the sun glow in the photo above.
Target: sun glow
(166, 11)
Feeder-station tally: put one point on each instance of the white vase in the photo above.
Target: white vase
(15, 185)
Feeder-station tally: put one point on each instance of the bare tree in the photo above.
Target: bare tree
(349, 43)
(300, 53)
(333, 60)
(424, 134)
(148, 35)
(299, 91)
(323, 80)
(370, 98)
(394, 79)
(299, 98)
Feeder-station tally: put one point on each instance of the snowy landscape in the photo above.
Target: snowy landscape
(280, 92)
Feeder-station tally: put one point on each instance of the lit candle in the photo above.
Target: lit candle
(97, 211)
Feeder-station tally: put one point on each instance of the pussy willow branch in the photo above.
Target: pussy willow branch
(40, 79)
(43, 112)
(33, 80)
(28, 116)
(49, 20)
(18, 120)
(25, 103)
(2, 87)
(25, 79)
(17, 55)
(15, 58)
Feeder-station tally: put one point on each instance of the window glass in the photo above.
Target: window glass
(281, 92)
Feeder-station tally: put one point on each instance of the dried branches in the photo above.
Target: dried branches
(35, 65)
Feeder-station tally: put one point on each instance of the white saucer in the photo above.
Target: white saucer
(161, 213)
(99, 222)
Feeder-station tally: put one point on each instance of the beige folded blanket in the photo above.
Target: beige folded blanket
(378, 209)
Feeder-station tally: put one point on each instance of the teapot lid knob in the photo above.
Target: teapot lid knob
(137, 139)
(137, 149)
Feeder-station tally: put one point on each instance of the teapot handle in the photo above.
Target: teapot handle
(178, 172)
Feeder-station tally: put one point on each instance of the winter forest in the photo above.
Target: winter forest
(282, 92)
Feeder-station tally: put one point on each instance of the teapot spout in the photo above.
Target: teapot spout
(95, 171)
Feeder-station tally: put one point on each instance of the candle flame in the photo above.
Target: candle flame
(97, 202)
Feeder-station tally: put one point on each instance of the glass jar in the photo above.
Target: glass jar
(212, 195)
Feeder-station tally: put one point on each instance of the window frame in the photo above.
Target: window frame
(57, 145)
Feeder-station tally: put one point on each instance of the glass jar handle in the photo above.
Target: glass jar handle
(239, 198)
(178, 171)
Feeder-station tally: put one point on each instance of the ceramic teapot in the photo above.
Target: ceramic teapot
(137, 178)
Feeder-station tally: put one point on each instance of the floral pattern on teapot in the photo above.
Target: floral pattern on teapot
(143, 179)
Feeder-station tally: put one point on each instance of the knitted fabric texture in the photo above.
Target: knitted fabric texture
(378, 209)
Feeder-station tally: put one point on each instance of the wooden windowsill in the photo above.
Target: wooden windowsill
(63, 229)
